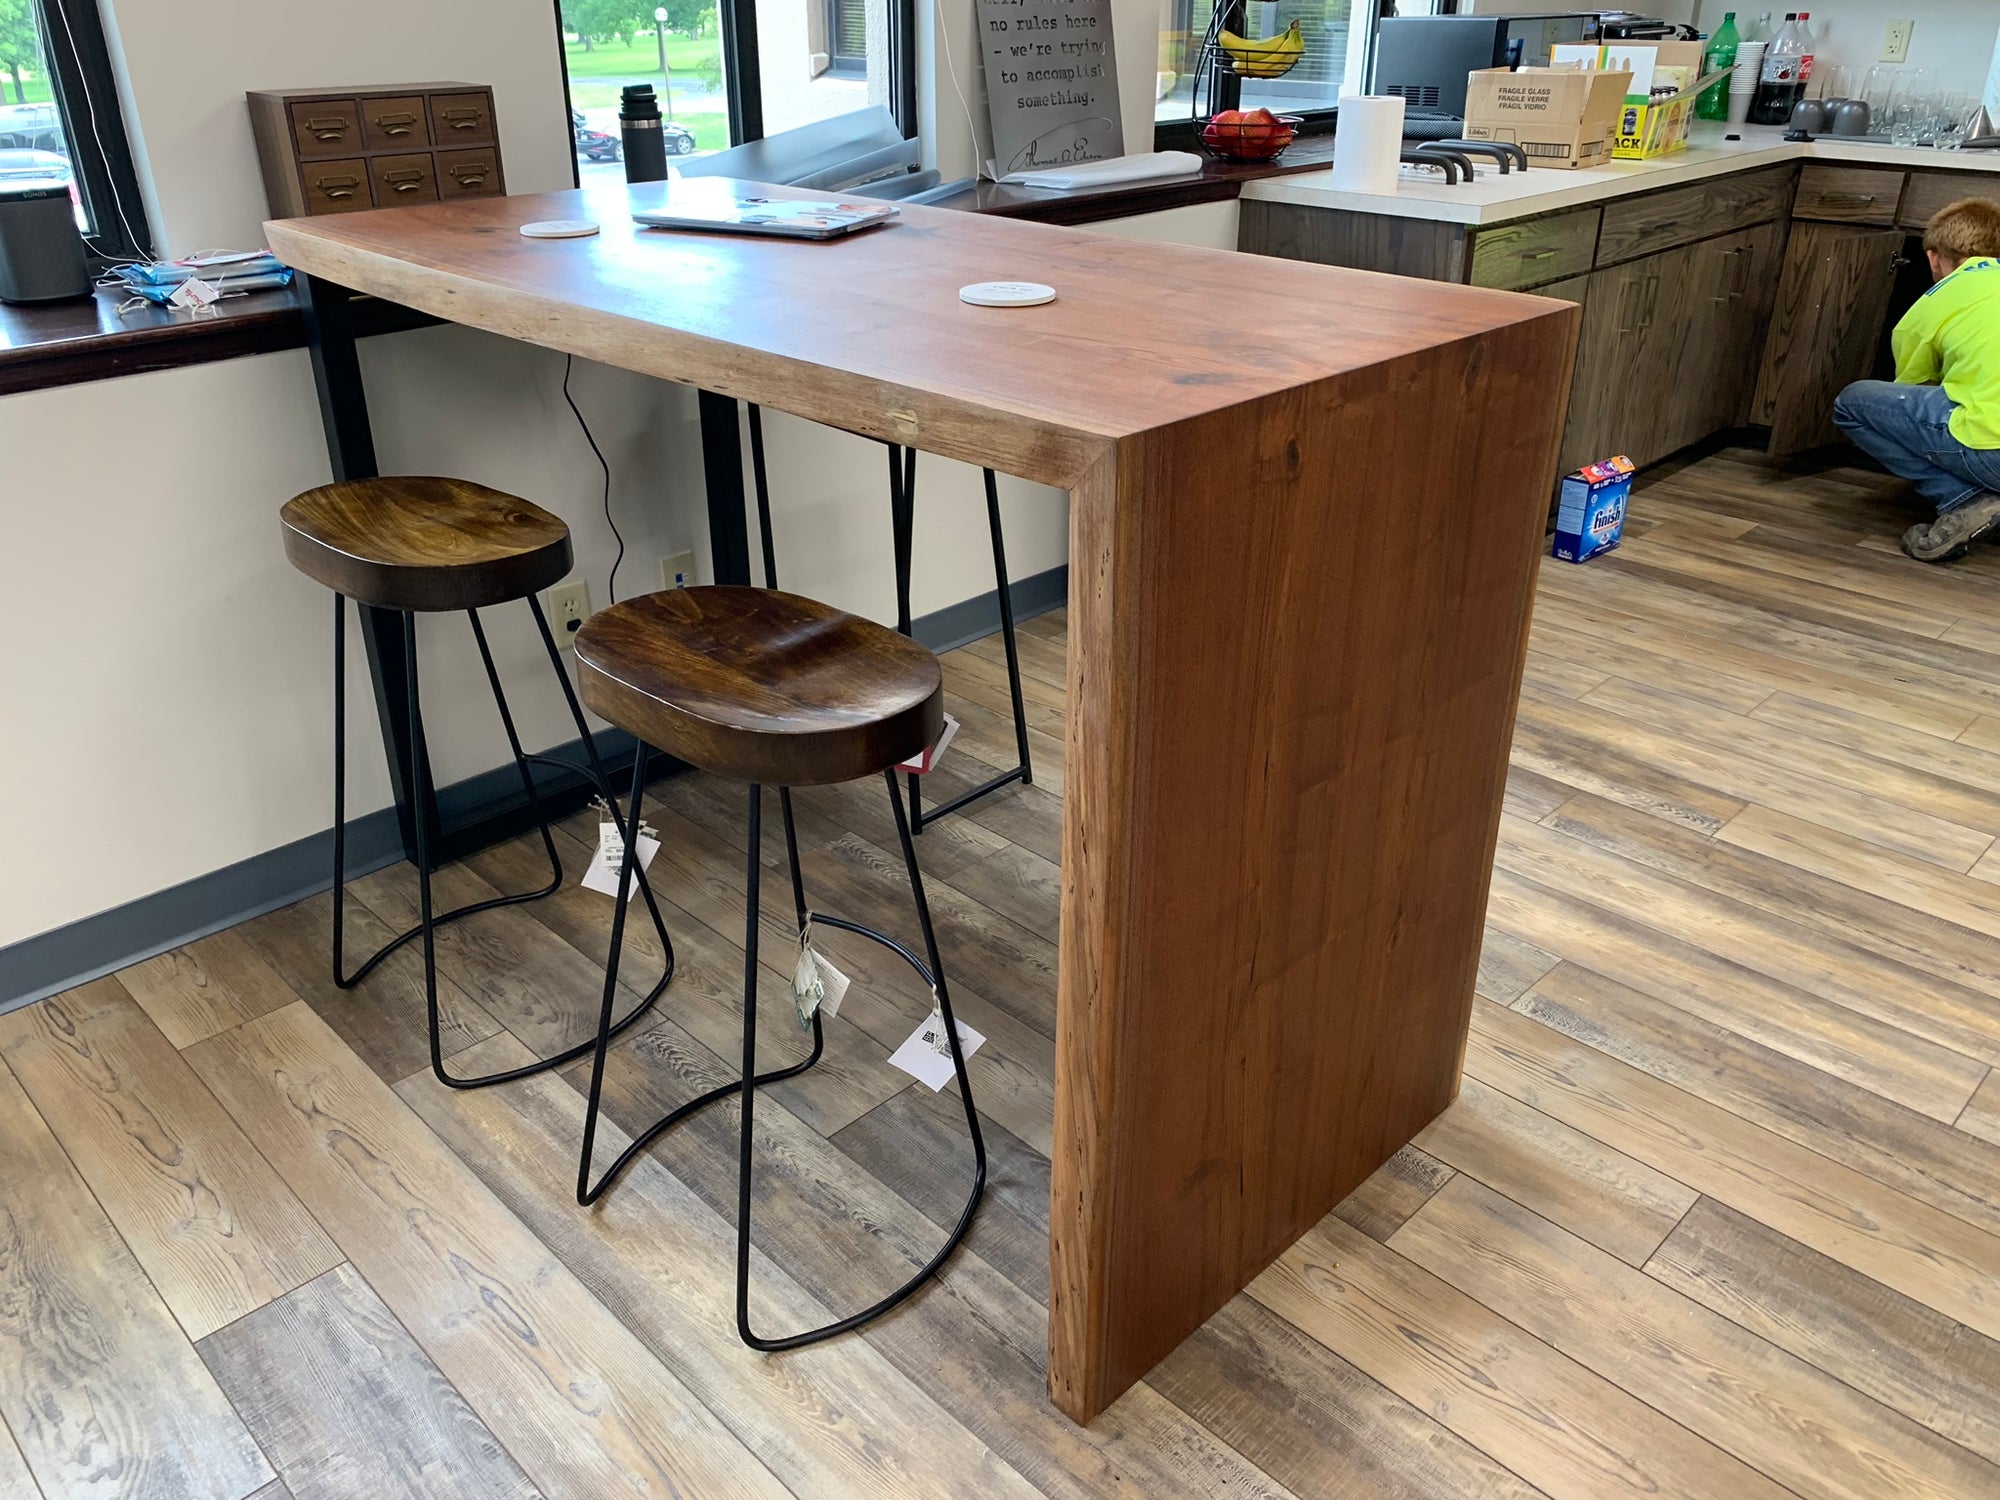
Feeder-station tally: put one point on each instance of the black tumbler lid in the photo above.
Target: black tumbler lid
(638, 102)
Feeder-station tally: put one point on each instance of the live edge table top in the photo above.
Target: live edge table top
(868, 333)
(1305, 510)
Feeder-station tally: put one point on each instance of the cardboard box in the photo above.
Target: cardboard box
(1658, 109)
(1561, 117)
(1590, 511)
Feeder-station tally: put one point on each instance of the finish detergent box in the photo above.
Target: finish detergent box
(1590, 514)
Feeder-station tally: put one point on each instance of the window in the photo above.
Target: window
(60, 124)
(727, 71)
(1331, 62)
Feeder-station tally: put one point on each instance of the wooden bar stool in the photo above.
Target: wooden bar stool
(418, 546)
(902, 526)
(770, 689)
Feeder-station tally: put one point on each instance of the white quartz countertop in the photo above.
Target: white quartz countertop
(1494, 198)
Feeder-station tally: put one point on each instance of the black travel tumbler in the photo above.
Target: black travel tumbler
(645, 145)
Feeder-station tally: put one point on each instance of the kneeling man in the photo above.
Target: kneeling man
(1938, 423)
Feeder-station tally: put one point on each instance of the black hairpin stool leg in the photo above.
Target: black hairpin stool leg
(588, 1192)
(934, 976)
(424, 794)
(902, 511)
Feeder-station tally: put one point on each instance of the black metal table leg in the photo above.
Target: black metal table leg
(350, 447)
(722, 469)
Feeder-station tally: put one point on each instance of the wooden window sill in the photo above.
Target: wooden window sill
(65, 343)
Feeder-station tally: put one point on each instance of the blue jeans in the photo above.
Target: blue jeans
(1906, 429)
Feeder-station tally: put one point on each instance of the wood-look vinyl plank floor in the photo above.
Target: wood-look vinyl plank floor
(1716, 1214)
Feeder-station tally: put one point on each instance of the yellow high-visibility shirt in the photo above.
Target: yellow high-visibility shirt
(1952, 338)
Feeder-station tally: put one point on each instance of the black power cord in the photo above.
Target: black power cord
(569, 363)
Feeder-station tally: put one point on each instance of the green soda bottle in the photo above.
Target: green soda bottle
(1720, 53)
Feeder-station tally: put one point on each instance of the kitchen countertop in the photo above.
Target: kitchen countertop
(1493, 198)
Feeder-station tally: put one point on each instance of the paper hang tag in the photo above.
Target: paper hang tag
(604, 864)
(194, 294)
(926, 1054)
(927, 762)
(816, 983)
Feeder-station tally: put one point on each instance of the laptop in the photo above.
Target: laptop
(716, 204)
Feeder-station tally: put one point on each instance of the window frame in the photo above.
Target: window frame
(1185, 134)
(742, 68)
(107, 178)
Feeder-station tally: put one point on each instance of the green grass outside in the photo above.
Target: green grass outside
(596, 76)
(38, 90)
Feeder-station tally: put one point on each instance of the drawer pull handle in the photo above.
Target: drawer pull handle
(468, 176)
(399, 124)
(1858, 199)
(337, 187)
(1543, 254)
(327, 127)
(406, 181)
(462, 119)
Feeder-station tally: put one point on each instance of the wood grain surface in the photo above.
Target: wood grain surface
(101, 1388)
(759, 685)
(323, 1365)
(411, 542)
(218, 1233)
(586, 1410)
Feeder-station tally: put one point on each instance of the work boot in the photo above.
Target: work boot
(1952, 534)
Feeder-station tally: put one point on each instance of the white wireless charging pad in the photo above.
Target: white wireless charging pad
(1007, 294)
(559, 229)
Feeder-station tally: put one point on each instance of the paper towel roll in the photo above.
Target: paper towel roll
(1368, 143)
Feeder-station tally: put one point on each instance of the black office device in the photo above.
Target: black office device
(1426, 58)
(41, 249)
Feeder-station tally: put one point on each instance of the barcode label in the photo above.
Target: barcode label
(1542, 148)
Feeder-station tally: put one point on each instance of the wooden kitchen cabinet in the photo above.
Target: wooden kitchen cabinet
(1724, 312)
(1832, 301)
(1623, 391)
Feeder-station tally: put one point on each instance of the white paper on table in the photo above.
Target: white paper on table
(920, 1058)
(603, 872)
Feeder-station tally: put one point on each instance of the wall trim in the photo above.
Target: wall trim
(91, 947)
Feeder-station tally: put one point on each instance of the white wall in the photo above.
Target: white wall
(168, 692)
(1954, 37)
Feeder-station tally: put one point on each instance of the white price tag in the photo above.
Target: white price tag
(926, 1055)
(926, 762)
(194, 294)
(604, 864)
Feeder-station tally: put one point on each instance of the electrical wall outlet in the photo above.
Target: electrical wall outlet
(677, 571)
(1896, 41)
(569, 607)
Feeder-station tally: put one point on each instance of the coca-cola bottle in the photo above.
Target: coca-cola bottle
(1779, 86)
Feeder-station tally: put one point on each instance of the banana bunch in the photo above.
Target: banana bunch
(1270, 58)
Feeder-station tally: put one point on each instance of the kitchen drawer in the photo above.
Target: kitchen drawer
(1848, 195)
(1927, 192)
(1512, 256)
(327, 127)
(387, 124)
(462, 119)
(473, 173)
(335, 187)
(411, 178)
(1662, 221)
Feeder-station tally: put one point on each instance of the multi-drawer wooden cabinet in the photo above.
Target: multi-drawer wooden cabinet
(331, 151)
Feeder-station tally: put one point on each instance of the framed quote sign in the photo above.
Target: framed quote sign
(1051, 83)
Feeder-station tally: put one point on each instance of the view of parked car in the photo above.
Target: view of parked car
(598, 145)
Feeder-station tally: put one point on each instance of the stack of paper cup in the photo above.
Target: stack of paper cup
(1743, 82)
(1368, 143)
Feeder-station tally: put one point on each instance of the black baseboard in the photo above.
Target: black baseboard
(491, 802)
